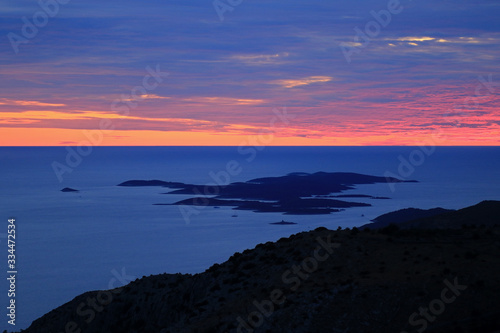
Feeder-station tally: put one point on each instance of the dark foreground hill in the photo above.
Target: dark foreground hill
(389, 280)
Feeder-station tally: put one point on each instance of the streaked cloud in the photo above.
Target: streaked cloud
(153, 96)
(303, 82)
(30, 117)
(415, 39)
(145, 97)
(260, 59)
(224, 100)
(5, 101)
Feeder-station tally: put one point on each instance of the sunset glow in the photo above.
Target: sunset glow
(176, 74)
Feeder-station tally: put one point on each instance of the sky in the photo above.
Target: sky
(249, 72)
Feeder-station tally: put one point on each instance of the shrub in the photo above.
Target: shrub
(390, 229)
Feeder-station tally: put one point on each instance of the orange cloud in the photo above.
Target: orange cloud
(57, 137)
(34, 116)
(5, 101)
(349, 137)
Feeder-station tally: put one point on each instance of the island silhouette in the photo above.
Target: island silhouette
(297, 193)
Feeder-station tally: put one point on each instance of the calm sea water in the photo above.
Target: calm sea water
(104, 235)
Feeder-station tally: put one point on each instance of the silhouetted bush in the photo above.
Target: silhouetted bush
(390, 229)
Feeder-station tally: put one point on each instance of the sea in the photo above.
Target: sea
(105, 236)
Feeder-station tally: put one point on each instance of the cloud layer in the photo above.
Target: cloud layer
(428, 66)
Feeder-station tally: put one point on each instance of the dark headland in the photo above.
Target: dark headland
(439, 275)
(486, 213)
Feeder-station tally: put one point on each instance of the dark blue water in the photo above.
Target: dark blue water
(68, 243)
